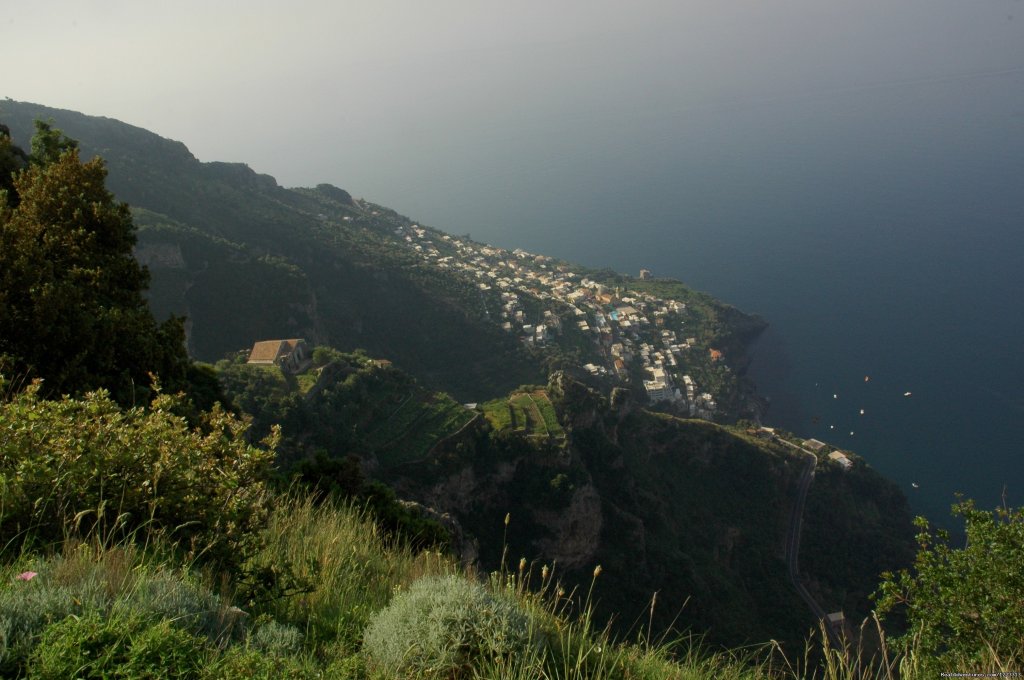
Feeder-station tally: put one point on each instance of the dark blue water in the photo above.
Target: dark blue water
(879, 230)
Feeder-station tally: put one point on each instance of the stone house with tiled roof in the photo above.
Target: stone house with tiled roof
(291, 355)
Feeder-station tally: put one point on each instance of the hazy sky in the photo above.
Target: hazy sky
(378, 95)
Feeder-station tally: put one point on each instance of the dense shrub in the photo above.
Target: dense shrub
(91, 646)
(24, 613)
(253, 664)
(76, 465)
(964, 605)
(112, 584)
(442, 627)
(276, 639)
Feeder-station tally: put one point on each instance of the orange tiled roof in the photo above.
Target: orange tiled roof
(266, 351)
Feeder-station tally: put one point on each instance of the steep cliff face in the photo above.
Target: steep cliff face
(574, 531)
(696, 512)
(693, 511)
(222, 285)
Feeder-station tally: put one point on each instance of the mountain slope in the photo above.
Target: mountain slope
(245, 259)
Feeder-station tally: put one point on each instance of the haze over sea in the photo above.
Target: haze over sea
(880, 230)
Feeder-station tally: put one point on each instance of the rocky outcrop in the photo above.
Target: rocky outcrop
(334, 193)
(575, 532)
(463, 546)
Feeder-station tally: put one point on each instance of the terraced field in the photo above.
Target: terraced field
(529, 412)
(547, 412)
(418, 422)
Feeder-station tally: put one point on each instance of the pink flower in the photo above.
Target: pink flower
(27, 575)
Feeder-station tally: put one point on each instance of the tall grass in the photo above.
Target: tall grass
(318, 576)
(874, 655)
(568, 644)
(339, 567)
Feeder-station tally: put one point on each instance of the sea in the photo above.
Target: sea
(878, 229)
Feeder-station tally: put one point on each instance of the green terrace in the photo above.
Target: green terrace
(414, 427)
(528, 411)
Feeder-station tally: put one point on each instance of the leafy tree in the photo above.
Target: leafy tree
(963, 605)
(72, 309)
(12, 159)
(49, 143)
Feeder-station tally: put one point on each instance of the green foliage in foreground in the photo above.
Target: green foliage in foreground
(442, 625)
(118, 612)
(71, 305)
(322, 593)
(118, 647)
(963, 606)
(95, 611)
(86, 465)
(297, 598)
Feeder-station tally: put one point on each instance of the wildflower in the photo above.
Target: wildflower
(597, 571)
(27, 575)
(544, 572)
(522, 564)
(508, 518)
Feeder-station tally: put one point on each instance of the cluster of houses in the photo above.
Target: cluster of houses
(626, 330)
(815, 446)
(632, 335)
(836, 456)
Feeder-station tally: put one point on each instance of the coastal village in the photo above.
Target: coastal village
(635, 338)
(635, 334)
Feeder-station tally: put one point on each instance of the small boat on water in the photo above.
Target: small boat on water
(915, 485)
(906, 394)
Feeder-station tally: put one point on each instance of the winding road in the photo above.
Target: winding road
(796, 523)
